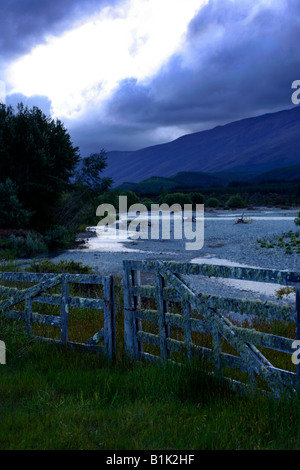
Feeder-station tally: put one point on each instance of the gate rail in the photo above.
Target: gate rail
(170, 285)
(36, 293)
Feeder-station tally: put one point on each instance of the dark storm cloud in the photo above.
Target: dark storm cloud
(23, 23)
(239, 61)
(92, 134)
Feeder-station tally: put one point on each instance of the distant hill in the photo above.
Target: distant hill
(290, 173)
(198, 179)
(154, 185)
(253, 145)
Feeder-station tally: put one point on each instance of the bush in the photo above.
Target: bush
(132, 198)
(111, 198)
(197, 198)
(213, 202)
(30, 246)
(177, 198)
(64, 266)
(235, 202)
(59, 237)
(147, 203)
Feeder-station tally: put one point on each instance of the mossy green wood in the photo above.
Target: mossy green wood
(172, 286)
(37, 294)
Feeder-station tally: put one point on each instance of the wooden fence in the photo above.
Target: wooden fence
(36, 293)
(171, 286)
(199, 314)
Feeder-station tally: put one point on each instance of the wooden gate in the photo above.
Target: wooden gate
(211, 319)
(37, 293)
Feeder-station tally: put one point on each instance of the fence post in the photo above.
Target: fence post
(136, 279)
(28, 315)
(162, 309)
(109, 317)
(217, 351)
(64, 309)
(130, 329)
(187, 328)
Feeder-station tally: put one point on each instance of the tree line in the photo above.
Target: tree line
(44, 182)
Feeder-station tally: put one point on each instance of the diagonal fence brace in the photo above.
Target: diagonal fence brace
(248, 352)
(30, 292)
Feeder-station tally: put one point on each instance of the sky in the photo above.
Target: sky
(127, 74)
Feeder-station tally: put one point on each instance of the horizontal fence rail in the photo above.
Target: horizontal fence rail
(199, 313)
(37, 294)
(170, 286)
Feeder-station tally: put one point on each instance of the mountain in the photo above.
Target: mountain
(290, 173)
(198, 179)
(154, 185)
(255, 145)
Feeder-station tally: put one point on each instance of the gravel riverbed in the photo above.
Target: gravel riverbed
(225, 242)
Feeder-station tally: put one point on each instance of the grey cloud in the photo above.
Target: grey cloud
(92, 134)
(239, 60)
(23, 23)
(247, 70)
(42, 102)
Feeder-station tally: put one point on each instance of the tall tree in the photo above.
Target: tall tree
(80, 204)
(36, 153)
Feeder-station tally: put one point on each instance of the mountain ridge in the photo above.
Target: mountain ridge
(257, 144)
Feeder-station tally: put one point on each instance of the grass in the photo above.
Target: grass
(289, 242)
(52, 398)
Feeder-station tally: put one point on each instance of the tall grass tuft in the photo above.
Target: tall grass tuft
(53, 398)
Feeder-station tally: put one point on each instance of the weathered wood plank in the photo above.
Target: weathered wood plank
(99, 336)
(255, 360)
(109, 317)
(76, 302)
(187, 327)
(51, 320)
(40, 277)
(30, 292)
(217, 351)
(73, 345)
(283, 277)
(86, 278)
(267, 340)
(207, 354)
(162, 310)
(28, 313)
(242, 306)
(148, 338)
(136, 277)
(25, 277)
(5, 290)
(130, 341)
(64, 309)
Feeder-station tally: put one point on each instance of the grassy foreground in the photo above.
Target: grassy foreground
(57, 399)
(54, 399)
